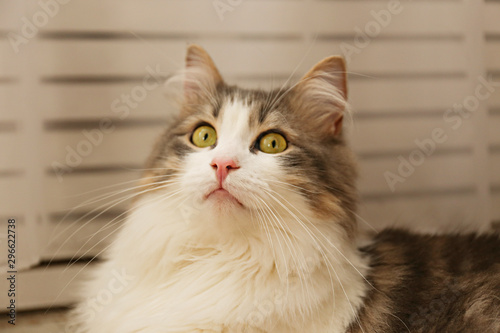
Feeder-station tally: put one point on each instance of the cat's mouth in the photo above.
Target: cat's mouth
(222, 195)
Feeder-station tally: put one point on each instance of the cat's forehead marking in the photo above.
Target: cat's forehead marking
(234, 120)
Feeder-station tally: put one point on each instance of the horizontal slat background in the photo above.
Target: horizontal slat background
(127, 146)
(44, 288)
(421, 129)
(128, 57)
(496, 203)
(10, 98)
(7, 59)
(62, 101)
(493, 129)
(72, 191)
(432, 213)
(495, 168)
(494, 101)
(422, 67)
(492, 52)
(434, 175)
(199, 17)
(10, 173)
(11, 158)
(14, 188)
(491, 14)
(79, 240)
(9, 15)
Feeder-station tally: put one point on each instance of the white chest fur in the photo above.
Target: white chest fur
(175, 280)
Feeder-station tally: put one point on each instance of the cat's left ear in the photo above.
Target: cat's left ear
(321, 96)
(201, 75)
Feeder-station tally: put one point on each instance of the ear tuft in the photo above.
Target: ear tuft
(322, 95)
(198, 58)
(201, 77)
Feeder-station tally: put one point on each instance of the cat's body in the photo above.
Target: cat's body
(245, 222)
(432, 284)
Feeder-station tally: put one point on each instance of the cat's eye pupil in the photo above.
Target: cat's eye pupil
(204, 136)
(272, 143)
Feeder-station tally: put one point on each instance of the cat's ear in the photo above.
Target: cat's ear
(201, 77)
(321, 96)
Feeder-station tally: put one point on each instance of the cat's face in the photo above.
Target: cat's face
(258, 155)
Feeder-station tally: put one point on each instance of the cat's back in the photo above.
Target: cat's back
(424, 283)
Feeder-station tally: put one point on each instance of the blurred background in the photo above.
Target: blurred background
(82, 101)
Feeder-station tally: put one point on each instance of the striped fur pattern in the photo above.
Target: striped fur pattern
(432, 284)
(277, 251)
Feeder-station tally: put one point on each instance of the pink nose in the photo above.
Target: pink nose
(222, 166)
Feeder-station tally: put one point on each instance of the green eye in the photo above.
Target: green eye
(204, 136)
(272, 143)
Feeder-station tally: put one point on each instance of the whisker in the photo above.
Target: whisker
(266, 215)
(326, 238)
(115, 202)
(287, 240)
(104, 238)
(74, 277)
(91, 201)
(328, 262)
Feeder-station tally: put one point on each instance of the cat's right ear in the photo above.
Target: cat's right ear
(201, 77)
(321, 96)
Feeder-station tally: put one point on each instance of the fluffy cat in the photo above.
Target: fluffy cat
(245, 222)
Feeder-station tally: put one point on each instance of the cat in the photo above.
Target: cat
(245, 221)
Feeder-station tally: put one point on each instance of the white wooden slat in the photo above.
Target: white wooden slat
(495, 168)
(387, 57)
(496, 205)
(409, 21)
(82, 192)
(125, 57)
(8, 61)
(194, 17)
(494, 100)
(123, 146)
(405, 94)
(109, 57)
(26, 244)
(10, 14)
(43, 288)
(76, 238)
(403, 134)
(494, 129)
(491, 15)
(13, 195)
(492, 52)
(10, 102)
(91, 101)
(96, 101)
(449, 212)
(435, 173)
(3, 240)
(11, 157)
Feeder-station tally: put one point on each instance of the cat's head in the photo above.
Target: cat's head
(254, 158)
